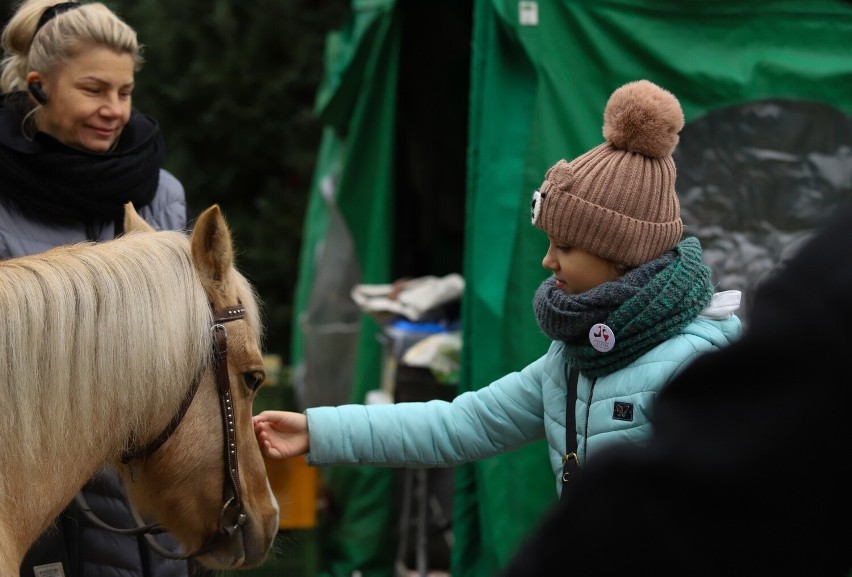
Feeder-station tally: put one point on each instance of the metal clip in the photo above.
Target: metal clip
(566, 474)
(220, 346)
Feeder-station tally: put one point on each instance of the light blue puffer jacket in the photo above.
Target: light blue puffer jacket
(519, 408)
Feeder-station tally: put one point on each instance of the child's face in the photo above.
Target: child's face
(576, 270)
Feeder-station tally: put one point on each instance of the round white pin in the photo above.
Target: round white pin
(602, 338)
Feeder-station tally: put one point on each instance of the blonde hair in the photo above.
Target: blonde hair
(110, 331)
(98, 347)
(27, 47)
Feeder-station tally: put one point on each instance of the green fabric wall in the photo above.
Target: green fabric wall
(356, 101)
(537, 94)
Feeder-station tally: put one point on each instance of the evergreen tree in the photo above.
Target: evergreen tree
(232, 84)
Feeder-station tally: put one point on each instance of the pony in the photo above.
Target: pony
(141, 353)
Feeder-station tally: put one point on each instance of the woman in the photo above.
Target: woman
(73, 151)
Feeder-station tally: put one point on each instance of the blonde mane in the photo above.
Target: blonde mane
(84, 328)
(99, 347)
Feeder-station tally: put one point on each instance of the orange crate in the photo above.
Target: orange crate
(295, 485)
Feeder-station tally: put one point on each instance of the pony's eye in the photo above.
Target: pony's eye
(254, 379)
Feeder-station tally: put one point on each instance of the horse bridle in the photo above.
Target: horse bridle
(232, 517)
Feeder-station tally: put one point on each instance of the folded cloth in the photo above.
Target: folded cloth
(440, 353)
(411, 298)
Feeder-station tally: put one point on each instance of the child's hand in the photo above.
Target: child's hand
(281, 434)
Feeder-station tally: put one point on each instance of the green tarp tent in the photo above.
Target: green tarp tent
(442, 117)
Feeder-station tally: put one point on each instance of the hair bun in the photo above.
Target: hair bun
(641, 117)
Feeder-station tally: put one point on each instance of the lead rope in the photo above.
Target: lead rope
(570, 463)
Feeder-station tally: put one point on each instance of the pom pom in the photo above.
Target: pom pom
(641, 117)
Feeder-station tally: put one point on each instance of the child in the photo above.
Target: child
(628, 306)
(736, 451)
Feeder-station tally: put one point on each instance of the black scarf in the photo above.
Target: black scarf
(645, 307)
(53, 182)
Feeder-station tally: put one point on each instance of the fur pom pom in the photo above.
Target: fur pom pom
(641, 117)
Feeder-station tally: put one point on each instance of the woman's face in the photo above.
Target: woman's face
(576, 270)
(89, 99)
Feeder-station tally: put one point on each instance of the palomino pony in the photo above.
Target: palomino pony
(142, 353)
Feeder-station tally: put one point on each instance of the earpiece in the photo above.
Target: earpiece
(37, 92)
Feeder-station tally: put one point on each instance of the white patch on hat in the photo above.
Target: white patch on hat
(535, 209)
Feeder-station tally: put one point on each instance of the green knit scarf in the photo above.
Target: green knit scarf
(647, 306)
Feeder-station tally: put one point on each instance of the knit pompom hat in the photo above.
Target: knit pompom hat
(618, 200)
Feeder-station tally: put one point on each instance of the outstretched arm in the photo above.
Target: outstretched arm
(282, 434)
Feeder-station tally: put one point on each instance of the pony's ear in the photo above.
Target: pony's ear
(213, 253)
(133, 222)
